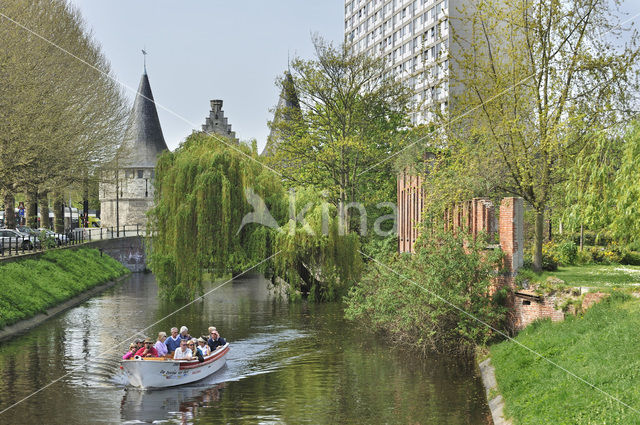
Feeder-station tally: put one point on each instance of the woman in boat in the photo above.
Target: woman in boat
(132, 351)
(202, 346)
(193, 346)
(182, 352)
(160, 346)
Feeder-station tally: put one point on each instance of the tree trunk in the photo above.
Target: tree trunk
(9, 210)
(58, 212)
(31, 205)
(539, 235)
(581, 237)
(44, 209)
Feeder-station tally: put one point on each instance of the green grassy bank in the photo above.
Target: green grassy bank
(601, 347)
(30, 286)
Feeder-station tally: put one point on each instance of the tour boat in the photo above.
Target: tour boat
(158, 372)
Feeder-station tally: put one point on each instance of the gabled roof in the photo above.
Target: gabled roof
(143, 140)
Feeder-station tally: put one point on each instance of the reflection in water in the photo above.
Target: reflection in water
(288, 363)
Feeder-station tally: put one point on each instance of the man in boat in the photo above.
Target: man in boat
(173, 342)
(215, 340)
(148, 350)
(183, 352)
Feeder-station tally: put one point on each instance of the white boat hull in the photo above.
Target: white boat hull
(160, 372)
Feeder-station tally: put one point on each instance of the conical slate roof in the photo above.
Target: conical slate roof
(143, 140)
(287, 103)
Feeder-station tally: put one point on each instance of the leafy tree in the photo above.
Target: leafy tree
(197, 218)
(315, 258)
(531, 79)
(217, 210)
(59, 115)
(349, 116)
(602, 189)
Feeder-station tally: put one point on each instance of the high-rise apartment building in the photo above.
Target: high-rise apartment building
(414, 38)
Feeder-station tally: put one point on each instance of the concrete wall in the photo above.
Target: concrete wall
(129, 251)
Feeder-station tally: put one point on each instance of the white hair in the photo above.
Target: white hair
(174, 329)
(184, 329)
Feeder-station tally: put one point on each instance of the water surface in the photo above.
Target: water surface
(289, 363)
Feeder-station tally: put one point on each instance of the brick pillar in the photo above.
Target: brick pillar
(511, 233)
(466, 213)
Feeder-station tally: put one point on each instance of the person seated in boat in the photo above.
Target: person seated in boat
(132, 351)
(182, 352)
(160, 346)
(184, 333)
(139, 344)
(197, 353)
(203, 346)
(173, 342)
(215, 341)
(148, 350)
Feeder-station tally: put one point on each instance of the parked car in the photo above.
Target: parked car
(17, 240)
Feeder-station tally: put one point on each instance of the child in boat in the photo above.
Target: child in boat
(132, 351)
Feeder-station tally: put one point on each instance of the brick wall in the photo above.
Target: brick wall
(529, 307)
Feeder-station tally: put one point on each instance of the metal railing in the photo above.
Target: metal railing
(19, 245)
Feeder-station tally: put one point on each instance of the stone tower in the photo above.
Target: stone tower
(127, 195)
(288, 105)
(217, 123)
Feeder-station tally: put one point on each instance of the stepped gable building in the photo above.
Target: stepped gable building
(288, 104)
(126, 199)
(217, 123)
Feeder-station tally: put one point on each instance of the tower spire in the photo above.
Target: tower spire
(144, 60)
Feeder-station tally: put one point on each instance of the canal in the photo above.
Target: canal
(289, 363)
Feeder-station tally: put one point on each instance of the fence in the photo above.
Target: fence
(19, 245)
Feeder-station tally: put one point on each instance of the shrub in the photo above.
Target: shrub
(631, 258)
(584, 257)
(550, 258)
(566, 252)
(412, 298)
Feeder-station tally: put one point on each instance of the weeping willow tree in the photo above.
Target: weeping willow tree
(316, 259)
(197, 220)
(207, 218)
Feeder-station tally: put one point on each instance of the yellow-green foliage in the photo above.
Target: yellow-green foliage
(315, 259)
(200, 203)
(30, 286)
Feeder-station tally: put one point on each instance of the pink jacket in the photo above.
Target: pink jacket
(128, 355)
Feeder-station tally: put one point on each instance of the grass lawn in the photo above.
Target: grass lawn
(30, 286)
(596, 275)
(601, 347)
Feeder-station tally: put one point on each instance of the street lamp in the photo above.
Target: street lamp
(117, 204)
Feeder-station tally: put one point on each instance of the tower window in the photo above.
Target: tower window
(140, 172)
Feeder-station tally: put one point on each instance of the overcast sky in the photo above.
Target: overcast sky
(215, 49)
